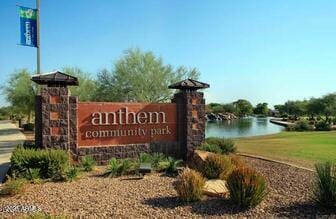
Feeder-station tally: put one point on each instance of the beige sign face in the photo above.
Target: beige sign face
(103, 124)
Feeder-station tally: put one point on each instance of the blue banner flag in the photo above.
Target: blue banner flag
(28, 26)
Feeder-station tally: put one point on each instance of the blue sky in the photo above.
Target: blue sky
(263, 51)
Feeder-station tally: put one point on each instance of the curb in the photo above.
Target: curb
(275, 161)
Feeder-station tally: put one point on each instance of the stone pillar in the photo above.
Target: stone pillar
(56, 112)
(55, 117)
(73, 106)
(38, 121)
(191, 120)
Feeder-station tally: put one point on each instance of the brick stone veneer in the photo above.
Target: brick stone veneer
(53, 122)
(103, 153)
(73, 104)
(191, 117)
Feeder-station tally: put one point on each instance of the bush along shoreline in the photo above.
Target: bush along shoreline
(306, 125)
(301, 124)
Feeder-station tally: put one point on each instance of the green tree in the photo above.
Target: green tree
(281, 108)
(228, 108)
(329, 105)
(209, 108)
(87, 86)
(218, 109)
(212, 105)
(243, 107)
(140, 76)
(261, 109)
(5, 112)
(296, 108)
(315, 107)
(20, 93)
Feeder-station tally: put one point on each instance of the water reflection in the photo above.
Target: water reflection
(241, 128)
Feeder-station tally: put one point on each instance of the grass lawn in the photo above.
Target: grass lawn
(300, 148)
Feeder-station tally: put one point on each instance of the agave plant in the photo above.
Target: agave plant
(118, 167)
(113, 167)
(173, 165)
(71, 173)
(156, 159)
(145, 158)
(88, 163)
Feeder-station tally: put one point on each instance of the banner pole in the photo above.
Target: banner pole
(38, 68)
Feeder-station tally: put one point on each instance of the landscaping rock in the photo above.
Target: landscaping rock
(198, 159)
(93, 196)
(216, 188)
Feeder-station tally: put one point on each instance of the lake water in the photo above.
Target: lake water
(246, 127)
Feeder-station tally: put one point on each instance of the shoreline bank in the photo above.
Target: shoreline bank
(281, 123)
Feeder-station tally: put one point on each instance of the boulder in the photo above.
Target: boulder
(197, 159)
(215, 188)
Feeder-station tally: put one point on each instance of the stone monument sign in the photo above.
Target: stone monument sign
(105, 129)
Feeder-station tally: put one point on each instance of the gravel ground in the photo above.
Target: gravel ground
(93, 196)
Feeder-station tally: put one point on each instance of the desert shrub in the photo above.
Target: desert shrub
(163, 165)
(300, 126)
(33, 175)
(113, 168)
(51, 163)
(226, 145)
(156, 158)
(290, 128)
(293, 118)
(145, 158)
(210, 148)
(323, 125)
(217, 167)
(325, 184)
(71, 173)
(29, 145)
(284, 116)
(247, 187)
(189, 185)
(13, 187)
(118, 167)
(126, 165)
(23, 159)
(28, 127)
(58, 161)
(236, 161)
(170, 166)
(88, 163)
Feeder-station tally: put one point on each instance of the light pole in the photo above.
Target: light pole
(38, 68)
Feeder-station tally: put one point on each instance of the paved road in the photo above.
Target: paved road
(10, 136)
